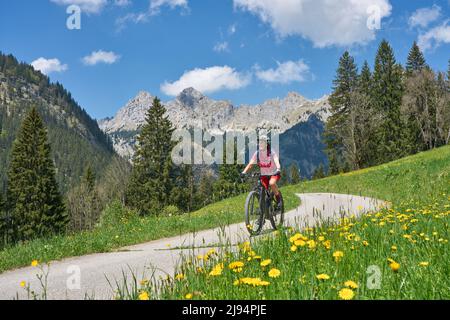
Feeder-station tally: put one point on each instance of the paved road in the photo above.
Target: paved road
(159, 257)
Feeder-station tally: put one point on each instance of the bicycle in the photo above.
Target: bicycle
(260, 206)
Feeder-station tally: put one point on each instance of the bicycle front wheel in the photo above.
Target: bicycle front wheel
(253, 213)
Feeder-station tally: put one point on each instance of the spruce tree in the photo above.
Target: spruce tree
(387, 94)
(336, 129)
(151, 182)
(319, 172)
(285, 177)
(295, 173)
(89, 179)
(32, 192)
(367, 118)
(416, 60)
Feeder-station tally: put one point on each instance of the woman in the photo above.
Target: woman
(269, 164)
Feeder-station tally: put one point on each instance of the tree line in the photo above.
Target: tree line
(388, 113)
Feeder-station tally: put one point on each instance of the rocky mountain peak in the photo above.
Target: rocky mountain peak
(190, 97)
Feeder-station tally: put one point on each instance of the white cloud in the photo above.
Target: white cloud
(122, 3)
(433, 38)
(232, 29)
(324, 22)
(154, 9)
(155, 5)
(88, 6)
(100, 56)
(208, 80)
(221, 47)
(286, 72)
(424, 16)
(47, 66)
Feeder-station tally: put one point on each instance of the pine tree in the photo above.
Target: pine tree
(151, 182)
(32, 192)
(204, 192)
(367, 118)
(337, 133)
(295, 173)
(89, 179)
(229, 182)
(416, 60)
(387, 94)
(285, 177)
(84, 203)
(319, 172)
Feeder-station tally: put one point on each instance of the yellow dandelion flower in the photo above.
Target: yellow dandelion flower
(299, 243)
(394, 248)
(337, 255)
(189, 296)
(323, 276)
(311, 244)
(365, 243)
(346, 294)
(274, 273)
(266, 262)
(395, 266)
(144, 296)
(180, 276)
(351, 284)
(217, 270)
(293, 248)
(236, 265)
(34, 263)
(23, 284)
(327, 244)
(144, 282)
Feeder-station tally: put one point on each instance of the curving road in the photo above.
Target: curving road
(159, 257)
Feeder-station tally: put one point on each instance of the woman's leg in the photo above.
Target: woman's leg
(274, 187)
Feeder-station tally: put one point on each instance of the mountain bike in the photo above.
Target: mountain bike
(260, 206)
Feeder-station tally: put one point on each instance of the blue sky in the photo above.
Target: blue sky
(245, 51)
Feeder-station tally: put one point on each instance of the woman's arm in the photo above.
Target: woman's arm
(277, 161)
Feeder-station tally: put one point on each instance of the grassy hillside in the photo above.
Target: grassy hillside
(397, 253)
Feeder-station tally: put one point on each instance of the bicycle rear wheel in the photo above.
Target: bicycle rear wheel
(277, 214)
(253, 213)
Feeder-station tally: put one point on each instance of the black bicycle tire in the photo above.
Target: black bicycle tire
(281, 214)
(247, 214)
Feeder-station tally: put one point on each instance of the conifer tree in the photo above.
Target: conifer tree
(319, 172)
(341, 101)
(295, 173)
(416, 60)
(84, 203)
(285, 177)
(32, 192)
(151, 182)
(387, 94)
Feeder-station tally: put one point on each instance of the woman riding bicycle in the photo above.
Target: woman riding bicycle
(269, 164)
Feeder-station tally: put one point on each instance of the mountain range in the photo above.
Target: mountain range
(299, 122)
